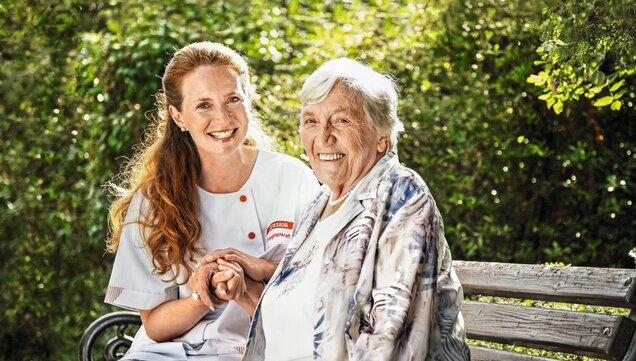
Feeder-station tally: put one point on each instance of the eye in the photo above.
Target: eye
(234, 99)
(203, 105)
(342, 121)
(309, 121)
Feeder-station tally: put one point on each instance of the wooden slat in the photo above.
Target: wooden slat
(580, 333)
(478, 353)
(587, 285)
(631, 352)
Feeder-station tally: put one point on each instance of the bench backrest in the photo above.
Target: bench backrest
(603, 336)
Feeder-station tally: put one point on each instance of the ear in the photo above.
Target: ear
(382, 144)
(176, 116)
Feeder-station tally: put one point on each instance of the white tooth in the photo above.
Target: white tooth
(222, 135)
(330, 156)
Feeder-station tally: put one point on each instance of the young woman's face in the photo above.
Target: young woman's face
(215, 110)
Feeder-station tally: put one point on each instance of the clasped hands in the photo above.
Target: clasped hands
(229, 274)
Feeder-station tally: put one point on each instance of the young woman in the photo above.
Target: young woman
(201, 186)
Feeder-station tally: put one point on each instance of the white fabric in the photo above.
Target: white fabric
(288, 311)
(273, 198)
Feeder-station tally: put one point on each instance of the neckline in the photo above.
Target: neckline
(245, 185)
(345, 204)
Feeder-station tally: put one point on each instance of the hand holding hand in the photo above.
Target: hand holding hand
(200, 282)
(257, 269)
(229, 283)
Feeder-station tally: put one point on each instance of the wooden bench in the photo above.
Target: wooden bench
(597, 335)
(602, 336)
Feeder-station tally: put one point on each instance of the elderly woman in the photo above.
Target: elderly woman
(368, 274)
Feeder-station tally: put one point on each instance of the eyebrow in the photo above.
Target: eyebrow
(341, 109)
(233, 92)
(306, 113)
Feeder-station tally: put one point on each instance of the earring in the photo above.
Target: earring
(183, 129)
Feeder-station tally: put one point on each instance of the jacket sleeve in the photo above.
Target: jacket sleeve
(412, 315)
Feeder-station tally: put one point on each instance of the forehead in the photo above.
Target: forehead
(211, 77)
(339, 100)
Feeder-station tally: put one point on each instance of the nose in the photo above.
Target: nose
(219, 115)
(326, 136)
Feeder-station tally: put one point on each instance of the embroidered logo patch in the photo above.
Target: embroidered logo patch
(279, 229)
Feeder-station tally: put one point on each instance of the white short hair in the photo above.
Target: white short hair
(377, 92)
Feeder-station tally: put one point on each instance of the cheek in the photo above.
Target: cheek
(357, 139)
(306, 140)
(238, 113)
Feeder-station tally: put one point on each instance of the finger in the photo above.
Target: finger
(222, 276)
(221, 289)
(220, 253)
(237, 259)
(204, 293)
(236, 286)
(232, 265)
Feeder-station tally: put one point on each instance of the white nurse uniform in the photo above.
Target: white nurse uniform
(258, 220)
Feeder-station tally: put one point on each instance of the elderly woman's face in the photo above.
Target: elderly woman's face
(339, 142)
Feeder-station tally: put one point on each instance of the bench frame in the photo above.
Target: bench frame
(116, 347)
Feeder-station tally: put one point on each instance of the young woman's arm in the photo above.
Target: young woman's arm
(174, 318)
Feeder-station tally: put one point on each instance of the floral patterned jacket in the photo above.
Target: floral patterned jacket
(387, 289)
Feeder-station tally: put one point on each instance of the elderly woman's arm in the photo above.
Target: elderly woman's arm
(416, 296)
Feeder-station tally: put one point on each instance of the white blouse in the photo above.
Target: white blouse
(288, 310)
(258, 220)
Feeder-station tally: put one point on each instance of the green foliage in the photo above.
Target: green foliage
(588, 51)
(514, 181)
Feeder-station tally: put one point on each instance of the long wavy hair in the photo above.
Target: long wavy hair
(166, 168)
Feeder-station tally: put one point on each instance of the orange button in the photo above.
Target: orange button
(243, 198)
(251, 235)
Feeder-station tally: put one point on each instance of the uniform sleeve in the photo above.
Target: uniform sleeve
(411, 314)
(133, 285)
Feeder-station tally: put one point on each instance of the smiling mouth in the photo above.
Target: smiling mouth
(330, 156)
(222, 135)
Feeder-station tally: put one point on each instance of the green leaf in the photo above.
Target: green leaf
(616, 105)
(545, 96)
(598, 78)
(604, 101)
(113, 26)
(550, 102)
(558, 107)
(536, 80)
(617, 85)
(596, 89)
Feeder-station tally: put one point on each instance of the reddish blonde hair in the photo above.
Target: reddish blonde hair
(166, 168)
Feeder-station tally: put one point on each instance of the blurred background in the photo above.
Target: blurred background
(520, 115)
